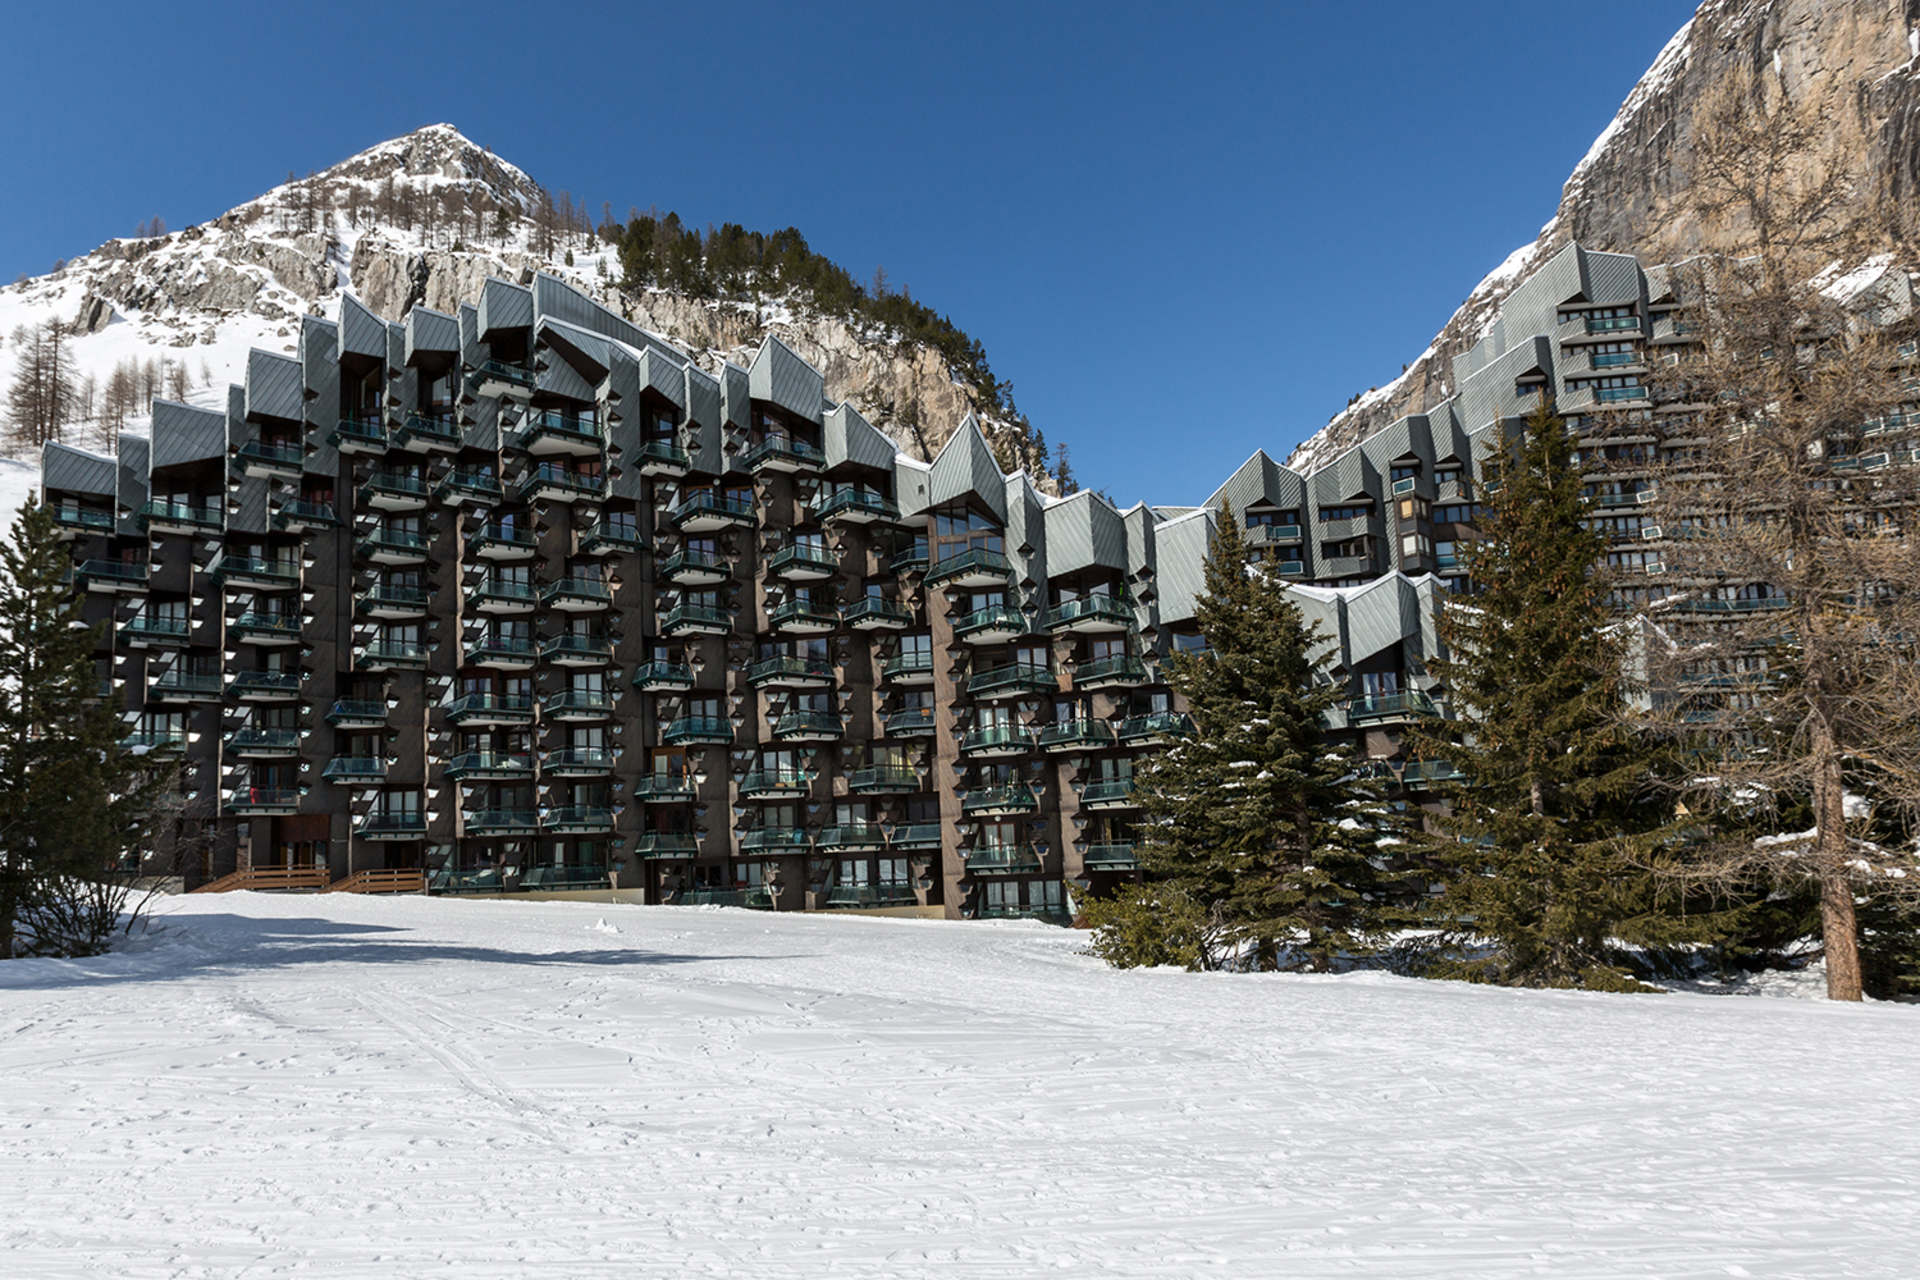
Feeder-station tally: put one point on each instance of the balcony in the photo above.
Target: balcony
(774, 840)
(873, 613)
(502, 595)
(187, 686)
(696, 620)
(808, 726)
(996, 624)
(358, 713)
(855, 506)
(1109, 793)
(303, 515)
(162, 516)
(803, 618)
(785, 455)
(473, 710)
(1347, 567)
(775, 784)
(265, 686)
(1113, 855)
(1273, 535)
(503, 542)
(664, 458)
(911, 836)
(1382, 708)
(552, 879)
(1055, 914)
(577, 705)
(556, 482)
(852, 837)
(393, 546)
(1613, 324)
(577, 595)
(607, 537)
(577, 762)
(75, 519)
(260, 744)
(578, 819)
(997, 741)
(1016, 680)
(1092, 615)
(1427, 773)
(142, 631)
(258, 802)
(502, 377)
(577, 651)
(354, 770)
(142, 743)
(479, 487)
(909, 669)
(856, 897)
(387, 490)
(999, 802)
(1123, 671)
(391, 826)
(394, 655)
(551, 432)
(691, 568)
(1155, 728)
(803, 562)
(913, 722)
(706, 512)
(499, 822)
(360, 435)
(883, 780)
(751, 899)
(666, 846)
(978, 567)
(489, 766)
(662, 677)
(427, 432)
(663, 788)
(256, 572)
(790, 673)
(260, 459)
(110, 576)
(1083, 734)
(1001, 859)
(698, 731)
(384, 601)
(908, 560)
(501, 653)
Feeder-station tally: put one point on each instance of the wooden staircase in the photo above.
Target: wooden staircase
(267, 878)
(384, 880)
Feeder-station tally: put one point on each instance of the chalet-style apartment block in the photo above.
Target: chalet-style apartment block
(522, 599)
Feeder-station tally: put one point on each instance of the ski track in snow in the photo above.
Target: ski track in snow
(339, 1085)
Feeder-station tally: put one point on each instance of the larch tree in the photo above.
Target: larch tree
(1791, 561)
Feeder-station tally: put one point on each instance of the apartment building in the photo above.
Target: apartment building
(522, 598)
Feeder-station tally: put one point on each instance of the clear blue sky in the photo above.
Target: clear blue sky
(1181, 230)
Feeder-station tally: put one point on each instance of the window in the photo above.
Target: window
(1353, 511)
(1458, 513)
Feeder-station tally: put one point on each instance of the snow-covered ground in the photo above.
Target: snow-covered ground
(349, 1086)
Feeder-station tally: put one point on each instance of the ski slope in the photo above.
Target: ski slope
(342, 1086)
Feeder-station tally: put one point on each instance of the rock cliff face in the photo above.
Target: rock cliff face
(425, 219)
(1856, 61)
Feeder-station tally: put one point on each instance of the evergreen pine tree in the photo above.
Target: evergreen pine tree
(1261, 824)
(71, 798)
(1542, 857)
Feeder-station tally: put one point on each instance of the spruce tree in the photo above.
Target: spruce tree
(1542, 857)
(71, 799)
(1262, 823)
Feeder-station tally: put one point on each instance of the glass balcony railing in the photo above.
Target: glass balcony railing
(230, 567)
(803, 615)
(72, 516)
(395, 484)
(264, 682)
(975, 562)
(698, 729)
(406, 653)
(851, 835)
(876, 611)
(808, 724)
(998, 739)
(577, 591)
(142, 627)
(290, 511)
(578, 760)
(784, 450)
(578, 817)
(695, 617)
(567, 480)
(1080, 733)
(264, 800)
(993, 619)
(803, 558)
(1389, 706)
(1112, 855)
(436, 428)
(110, 573)
(665, 845)
(364, 432)
(281, 456)
(355, 769)
(1613, 324)
(187, 684)
(908, 560)
(393, 542)
(774, 840)
(1002, 859)
(153, 741)
(395, 598)
(810, 670)
(689, 561)
(1107, 791)
(491, 764)
(560, 426)
(499, 537)
(1123, 669)
(1106, 609)
(501, 822)
(207, 515)
(762, 783)
(1016, 678)
(266, 740)
(869, 895)
(664, 455)
(854, 503)
(1016, 798)
(649, 676)
(516, 707)
(502, 591)
(881, 778)
(669, 787)
(712, 506)
(357, 712)
(501, 371)
(392, 826)
(1156, 725)
(577, 703)
(580, 649)
(914, 663)
(913, 722)
(483, 485)
(506, 651)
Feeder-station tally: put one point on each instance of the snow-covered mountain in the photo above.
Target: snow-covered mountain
(425, 218)
(1857, 61)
